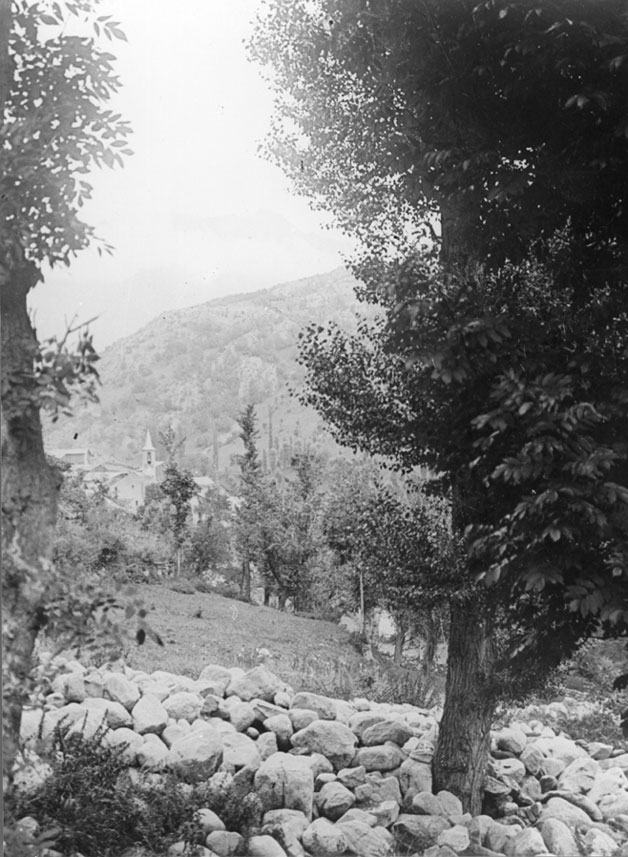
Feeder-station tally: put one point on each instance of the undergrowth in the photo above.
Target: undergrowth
(91, 805)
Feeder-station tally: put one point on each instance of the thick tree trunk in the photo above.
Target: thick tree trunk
(400, 639)
(29, 500)
(431, 643)
(464, 734)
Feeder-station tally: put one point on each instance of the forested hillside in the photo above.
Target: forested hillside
(197, 368)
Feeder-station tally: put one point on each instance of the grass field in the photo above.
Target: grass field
(206, 628)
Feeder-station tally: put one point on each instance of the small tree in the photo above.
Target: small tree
(249, 514)
(179, 487)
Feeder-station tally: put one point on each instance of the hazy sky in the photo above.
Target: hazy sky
(195, 213)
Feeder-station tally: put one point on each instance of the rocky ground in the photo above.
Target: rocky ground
(336, 777)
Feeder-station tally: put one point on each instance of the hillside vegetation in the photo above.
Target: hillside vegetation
(197, 368)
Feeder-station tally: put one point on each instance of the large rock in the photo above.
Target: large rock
(334, 740)
(115, 714)
(559, 747)
(183, 706)
(386, 730)
(599, 843)
(324, 838)
(533, 758)
(281, 725)
(152, 755)
(242, 716)
(527, 843)
(219, 677)
(287, 827)
(325, 708)
(498, 835)
(239, 751)
(363, 720)
(284, 781)
(608, 782)
(377, 789)
(197, 755)
(381, 757)
(121, 689)
(366, 840)
(419, 832)
(224, 843)
(563, 810)
(511, 740)
(334, 800)
(258, 682)
(130, 740)
(614, 805)
(264, 846)
(149, 715)
(579, 775)
(457, 838)
(415, 777)
(558, 838)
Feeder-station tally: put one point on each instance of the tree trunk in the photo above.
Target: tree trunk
(245, 580)
(431, 643)
(400, 638)
(464, 734)
(29, 503)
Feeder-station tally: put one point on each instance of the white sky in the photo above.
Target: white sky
(195, 213)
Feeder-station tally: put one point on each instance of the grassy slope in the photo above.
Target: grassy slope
(307, 653)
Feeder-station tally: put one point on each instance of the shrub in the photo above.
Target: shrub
(181, 584)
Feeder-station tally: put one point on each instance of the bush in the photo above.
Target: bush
(93, 804)
(181, 584)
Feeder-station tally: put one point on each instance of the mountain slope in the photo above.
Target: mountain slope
(198, 368)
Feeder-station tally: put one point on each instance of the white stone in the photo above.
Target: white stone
(197, 755)
(608, 782)
(116, 715)
(498, 835)
(613, 804)
(264, 846)
(224, 843)
(513, 768)
(152, 754)
(561, 748)
(149, 715)
(281, 725)
(597, 842)
(365, 839)
(333, 800)
(456, 838)
(183, 705)
(579, 775)
(219, 676)
(91, 723)
(258, 682)
(267, 745)
(325, 708)
(334, 740)
(124, 737)
(241, 715)
(301, 717)
(287, 827)
(324, 838)
(382, 757)
(558, 838)
(558, 807)
(121, 689)
(240, 751)
(284, 781)
(208, 820)
(527, 843)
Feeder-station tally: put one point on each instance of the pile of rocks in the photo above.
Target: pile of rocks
(337, 777)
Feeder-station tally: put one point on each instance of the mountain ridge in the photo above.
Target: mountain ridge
(196, 368)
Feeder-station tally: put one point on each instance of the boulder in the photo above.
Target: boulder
(121, 689)
(456, 837)
(197, 755)
(352, 777)
(267, 745)
(127, 738)
(426, 803)
(599, 843)
(334, 800)
(451, 804)
(418, 832)
(364, 839)
(224, 843)
(301, 717)
(264, 846)
(377, 789)
(115, 714)
(149, 715)
(509, 768)
(384, 731)
(560, 747)
(324, 838)
(612, 805)
(334, 740)
(363, 720)
(511, 740)
(152, 754)
(241, 715)
(287, 827)
(526, 843)
(415, 777)
(533, 758)
(579, 775)
(282, 726)
(219, 677)
(324, 707)
(498, 835)
(239, 751)
(558, 838)
(284, 781)
(91, 723)
(258, 682)
(563, 810)
(380, 757)
(208, 821)
(608, 782)
(183, 705)
(386, 812)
